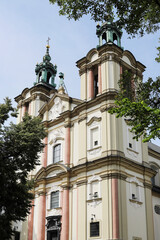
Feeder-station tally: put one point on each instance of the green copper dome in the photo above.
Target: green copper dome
(108, 32)
(46, 71)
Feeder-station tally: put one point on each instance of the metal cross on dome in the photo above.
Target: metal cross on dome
(48, 41)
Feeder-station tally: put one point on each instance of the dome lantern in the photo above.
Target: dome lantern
(108, 32)
(46, 71)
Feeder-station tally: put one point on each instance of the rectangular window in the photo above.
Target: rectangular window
(94, 137)
(94, 229)
(57, 153)
(55, 199)
(132, 142)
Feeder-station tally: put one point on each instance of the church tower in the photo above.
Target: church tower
(31, 100)
(94, 179)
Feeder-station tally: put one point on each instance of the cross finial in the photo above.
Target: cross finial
(48, 41)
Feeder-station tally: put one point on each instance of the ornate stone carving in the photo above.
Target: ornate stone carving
(54, 212)
(57, 108)
(53, 174)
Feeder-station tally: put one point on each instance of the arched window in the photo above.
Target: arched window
(95, 74)
(115, 39)
(48, 77)
(57, 153)
(104, 38)
(40, 77)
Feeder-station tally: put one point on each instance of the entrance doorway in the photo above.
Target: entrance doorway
(52, 235)
(53, 227)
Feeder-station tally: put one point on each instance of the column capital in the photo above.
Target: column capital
(68, 125)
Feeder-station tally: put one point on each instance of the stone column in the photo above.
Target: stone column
(30, 222)
(41, 216)
(45, 150)
(99, 79)
(67, 144)
(115, 210)
(148, 208)
(91, 85)
(65, 215)
(84, 85)
(29, 110)
(23, 110)
(82, 137)
(82, 209)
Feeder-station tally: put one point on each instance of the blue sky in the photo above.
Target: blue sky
(24, 29)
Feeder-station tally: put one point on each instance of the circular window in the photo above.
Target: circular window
(157, 209)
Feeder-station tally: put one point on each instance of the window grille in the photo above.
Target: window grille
(94, 229)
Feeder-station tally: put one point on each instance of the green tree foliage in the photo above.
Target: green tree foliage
(19, 148)
(134, 16)
(140, 106)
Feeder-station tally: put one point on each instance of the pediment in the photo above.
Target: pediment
(55, 169)
(92, 55)
(51, 170)
(129, 58)
(94, 178)
(94, 120)
(58, 135)
(134, 180)
(56, 107)
(40, 174)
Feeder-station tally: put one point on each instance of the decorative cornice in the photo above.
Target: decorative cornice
(83, 70)
(115, 175)
(147, 185)
(82, 118)
(107, 107)
(81, 182)
(65, 186)
(110, 48)
(153, 153)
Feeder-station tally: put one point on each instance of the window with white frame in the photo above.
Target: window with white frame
(94, 188)
(94, 137)
(54, 199)
(57, 153)
(131, 142)
(135, 192)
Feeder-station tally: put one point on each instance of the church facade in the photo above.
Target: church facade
(94, 180)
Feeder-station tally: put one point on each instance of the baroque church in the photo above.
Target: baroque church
(94, 180)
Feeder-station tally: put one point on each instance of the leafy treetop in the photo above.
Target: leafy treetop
(135, 17)
(141, 107)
